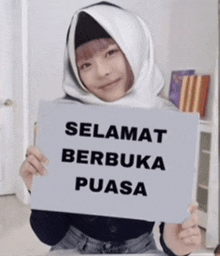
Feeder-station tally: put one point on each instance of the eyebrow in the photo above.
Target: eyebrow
(86, 53)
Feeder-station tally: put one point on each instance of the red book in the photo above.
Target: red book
(204, 94)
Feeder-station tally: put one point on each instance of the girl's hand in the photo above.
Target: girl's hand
(190, 233)
(33, 165)
(186, 237)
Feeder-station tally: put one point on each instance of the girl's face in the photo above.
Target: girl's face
(104, 69)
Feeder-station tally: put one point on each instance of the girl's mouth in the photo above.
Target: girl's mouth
(110, 84)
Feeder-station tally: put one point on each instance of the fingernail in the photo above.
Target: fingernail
(46, 162)
(45, 172)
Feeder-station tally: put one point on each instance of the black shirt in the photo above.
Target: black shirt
(51, 227)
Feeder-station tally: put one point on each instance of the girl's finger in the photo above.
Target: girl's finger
(29, 168)
(193, 207)
(189, 223)
(192, 240)
(36, 152)
(193, 220)
(37, 165)
(189, 232)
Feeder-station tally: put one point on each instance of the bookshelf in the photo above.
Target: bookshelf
(190, 48)
(205, 126)
(203, 173)
(207, 190)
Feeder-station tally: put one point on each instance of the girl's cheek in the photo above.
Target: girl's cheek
(123, 63)
(87, 78)
(82, 78)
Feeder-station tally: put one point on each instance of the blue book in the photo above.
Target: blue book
(176, 85)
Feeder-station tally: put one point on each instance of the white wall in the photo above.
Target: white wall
(184, 33)
(10, 88)
(195, 42)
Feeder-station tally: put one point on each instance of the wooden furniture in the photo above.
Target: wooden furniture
(207, 194)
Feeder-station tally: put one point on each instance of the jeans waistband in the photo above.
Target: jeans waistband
(75, 239)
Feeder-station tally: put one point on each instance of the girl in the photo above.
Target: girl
(109, 60)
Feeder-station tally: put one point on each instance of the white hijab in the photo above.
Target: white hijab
(134, 39)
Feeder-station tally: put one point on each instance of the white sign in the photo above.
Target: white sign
(114, 161)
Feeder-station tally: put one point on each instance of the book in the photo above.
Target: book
(197, 96)
(183, 93)
(176, 85)
(201, 94)
(190, 93)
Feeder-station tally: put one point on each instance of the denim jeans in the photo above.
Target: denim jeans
(83, 244)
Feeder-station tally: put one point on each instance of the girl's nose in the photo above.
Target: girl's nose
(102, 69)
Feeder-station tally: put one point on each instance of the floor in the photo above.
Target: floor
(17, 237)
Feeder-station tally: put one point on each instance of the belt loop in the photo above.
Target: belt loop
(82, 243)
(106, 247)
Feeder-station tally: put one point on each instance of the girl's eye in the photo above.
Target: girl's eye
(112, 52)
(85, 66)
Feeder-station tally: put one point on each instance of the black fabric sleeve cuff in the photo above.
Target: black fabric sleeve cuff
(162, 242)
(49, 227)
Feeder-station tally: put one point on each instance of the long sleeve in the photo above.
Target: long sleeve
(50, 227)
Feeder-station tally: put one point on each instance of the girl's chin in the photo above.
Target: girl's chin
(112, 98)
